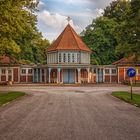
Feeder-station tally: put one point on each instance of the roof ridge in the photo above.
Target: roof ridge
(75, 34)
(62, 35)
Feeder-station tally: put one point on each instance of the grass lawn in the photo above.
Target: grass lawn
(126, 96)
(136, 85)
(7, 97)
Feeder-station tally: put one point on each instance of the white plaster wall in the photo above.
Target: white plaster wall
(52, 58)
(85, 57)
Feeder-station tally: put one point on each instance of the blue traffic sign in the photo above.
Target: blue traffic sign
(131, 72)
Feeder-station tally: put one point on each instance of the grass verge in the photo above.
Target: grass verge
(136, 85)
(126, 96)
(9, 96)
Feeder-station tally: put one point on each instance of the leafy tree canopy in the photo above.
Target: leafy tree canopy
(116, 34)
(127, 31)
(18, 30)
(99, 37)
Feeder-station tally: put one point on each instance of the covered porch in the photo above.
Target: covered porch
(61, 75)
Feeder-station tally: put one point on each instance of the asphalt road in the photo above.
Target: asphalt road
(69, 113)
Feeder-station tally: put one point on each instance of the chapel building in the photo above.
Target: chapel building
(68, 62)
(68, 59)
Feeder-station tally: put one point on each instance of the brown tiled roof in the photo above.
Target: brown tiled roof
(7, 60)
(68, 40)
(127, 61)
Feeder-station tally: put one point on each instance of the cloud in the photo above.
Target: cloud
(52, 15)
(55, 20)
(100, 3)
(74, 1)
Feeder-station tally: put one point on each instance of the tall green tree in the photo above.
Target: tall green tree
(19, 36)
(16, 20)
(127, 31)
(99, 37)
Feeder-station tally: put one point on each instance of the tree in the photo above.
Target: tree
(99, 37)
(18, 30)
(16, 19)
(127, 32)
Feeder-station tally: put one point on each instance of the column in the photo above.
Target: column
(118, 75)
(97, 80)
(124, 73)
(12, 74)
(88, 75)
(37, 75)
(45, 71)
(58, 75)
(110, 75)
(33, 75)
(79, 75)
(103, 75)
(49, 75)
(40, 75)
(6, 74)
(19, 73)
(99, 75)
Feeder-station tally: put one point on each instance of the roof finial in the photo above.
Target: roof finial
(68, 19)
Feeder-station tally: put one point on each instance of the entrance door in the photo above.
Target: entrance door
(68, 76)
(71, 76)
(100, 75)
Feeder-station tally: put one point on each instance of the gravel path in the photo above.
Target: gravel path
(69, 113)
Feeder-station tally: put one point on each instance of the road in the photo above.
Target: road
(69, 113)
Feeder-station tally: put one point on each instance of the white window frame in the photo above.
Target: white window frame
(108, 70)
(25, 71)
(112, 72)
(3, 73)
(28, 71)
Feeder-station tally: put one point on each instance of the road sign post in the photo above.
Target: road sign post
(131, 72)
(131, 83)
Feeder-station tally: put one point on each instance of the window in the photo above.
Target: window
(9, 71)
(64, 56)
(106, 71)
(30, 71)
(3, 71)
(68, 57)
(114, 71)
(78, 57)
(73, 58)
(59, 57)
(23, 71)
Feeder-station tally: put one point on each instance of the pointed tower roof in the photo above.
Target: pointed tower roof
(68, 40)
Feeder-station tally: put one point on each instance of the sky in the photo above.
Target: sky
(52, 15)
